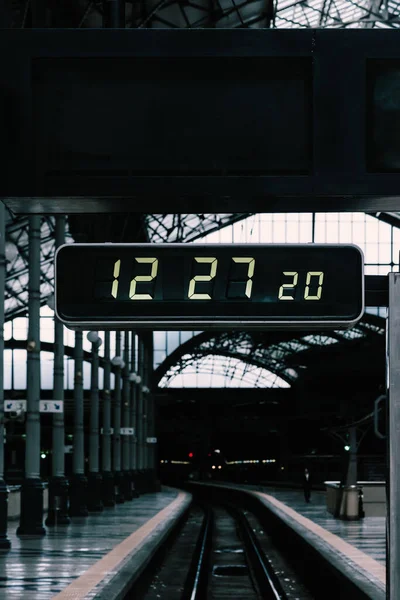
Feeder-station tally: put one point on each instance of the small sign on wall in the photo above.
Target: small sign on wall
(151, 440)
(127, 431)
(51, 406)
(15, 406)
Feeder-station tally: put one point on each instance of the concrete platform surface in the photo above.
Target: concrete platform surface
(368, 534)
(356, 548)
(40, 568)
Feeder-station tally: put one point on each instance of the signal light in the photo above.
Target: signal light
(190, 454)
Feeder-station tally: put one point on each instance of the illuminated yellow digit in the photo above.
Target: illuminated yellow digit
(320, 275)
(114, 289)
(284, 286)
(250, 271)
(213, 271)
(154, 268)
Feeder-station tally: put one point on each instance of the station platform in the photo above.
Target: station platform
(354, 548)
(94, 556)
(367, 534)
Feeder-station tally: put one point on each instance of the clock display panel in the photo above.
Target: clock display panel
(184, 286)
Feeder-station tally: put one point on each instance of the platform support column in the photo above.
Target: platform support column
(133, 438)
(95, 481)
(119, 496)
(283, 450)
(4, 541)
(352, 466)
(145, 397)
(139, 416)
(31, 519)
(58, 484)
(151, 449)
(126, 474)
(393, 440)
(78, 483)
(108, 476)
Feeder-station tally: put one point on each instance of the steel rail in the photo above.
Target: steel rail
(196, 582)
(268, 583)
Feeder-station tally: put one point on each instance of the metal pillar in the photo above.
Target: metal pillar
(126, 474)
(146, 405)
(119, 496)
(58, 484)
(95, 481)
(78, 483)
(139, 417)
(114, 13)
(108, 477)
(393, 440)
(4, 541)
(132, 439)
(152, 448)
(31, 518)
(352, 466)
(153, 484)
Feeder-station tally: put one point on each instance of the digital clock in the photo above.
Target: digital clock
(191, 286)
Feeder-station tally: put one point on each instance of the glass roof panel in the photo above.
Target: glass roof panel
(320, 340)
(220, 372)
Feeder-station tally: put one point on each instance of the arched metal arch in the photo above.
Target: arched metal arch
(277, 352)
(260, 349)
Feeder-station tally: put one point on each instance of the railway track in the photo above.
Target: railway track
(220, 552)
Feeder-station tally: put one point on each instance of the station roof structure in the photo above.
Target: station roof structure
(222, 14)
(288, 357)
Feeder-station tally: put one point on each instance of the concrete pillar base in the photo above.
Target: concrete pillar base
(5, 543)
(58, 502)
(118, 488)
(134, 487)
(108, 492)
(78, 487)
(140, 482)
(126, 482)
(154, 482)
(31, 519)
(95, 492)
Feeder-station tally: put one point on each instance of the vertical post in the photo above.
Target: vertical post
(119, 497)
(108, 477)
(31, 518)
(125, 421)
(78, 484)
(146, 412)
(283, 449)
(58, 484)
(133, 438)
(352, 466)
(95, 482)
(393, 440)
(152, 448)
(139, 415)
(4, 541)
